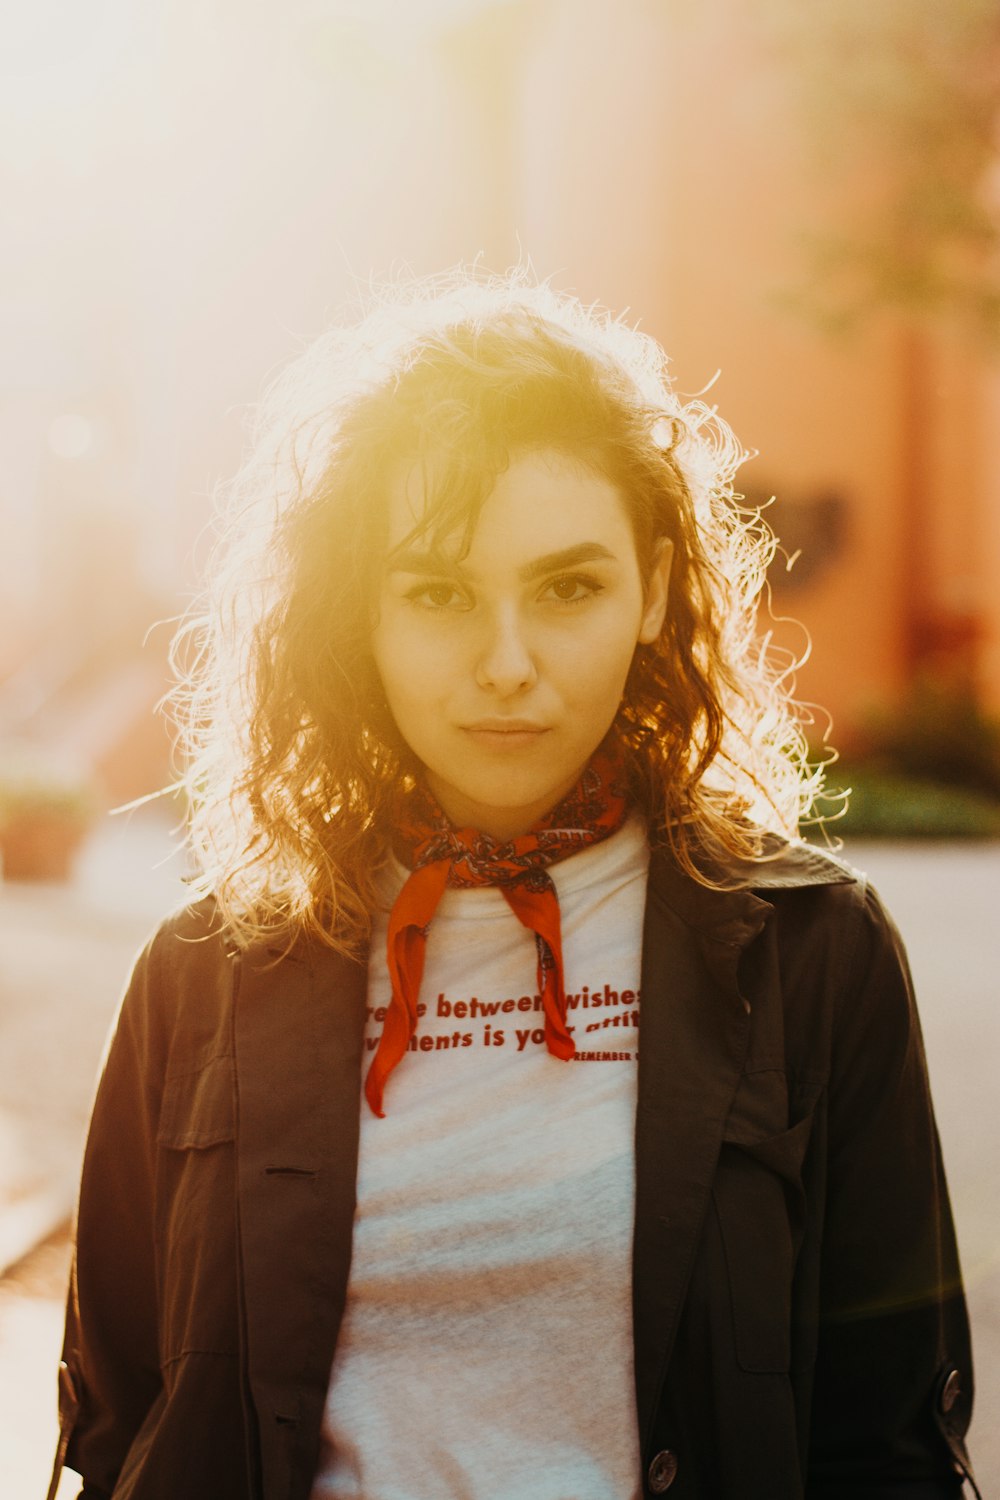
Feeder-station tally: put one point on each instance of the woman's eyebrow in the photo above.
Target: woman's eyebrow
(437, 564)
(568, 557)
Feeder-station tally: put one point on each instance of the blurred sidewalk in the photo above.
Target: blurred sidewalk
(65, 952)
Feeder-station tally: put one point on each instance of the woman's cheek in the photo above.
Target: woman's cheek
(416, 656)
(601, 656)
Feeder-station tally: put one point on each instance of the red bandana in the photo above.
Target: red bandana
(440, 855)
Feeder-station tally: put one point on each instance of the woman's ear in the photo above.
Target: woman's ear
(657, 593)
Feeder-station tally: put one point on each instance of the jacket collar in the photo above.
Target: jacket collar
(786, 865)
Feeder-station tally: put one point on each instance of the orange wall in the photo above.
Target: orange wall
(985, 540)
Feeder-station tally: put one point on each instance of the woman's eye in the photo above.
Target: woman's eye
(571, 589)
(441, 595)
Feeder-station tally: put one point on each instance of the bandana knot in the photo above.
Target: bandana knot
(441, 856)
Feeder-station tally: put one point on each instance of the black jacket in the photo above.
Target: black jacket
(799, 1322)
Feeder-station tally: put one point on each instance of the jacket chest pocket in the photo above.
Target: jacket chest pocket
(760, 1203)
(197, 1242)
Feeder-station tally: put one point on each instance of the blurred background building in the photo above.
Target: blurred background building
(804, 199)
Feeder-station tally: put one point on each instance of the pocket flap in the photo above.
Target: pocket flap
(199, 1109)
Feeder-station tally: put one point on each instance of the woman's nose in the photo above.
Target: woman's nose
(506, 663)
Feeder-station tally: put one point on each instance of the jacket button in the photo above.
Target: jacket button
(662, 1471)
(950, 1391)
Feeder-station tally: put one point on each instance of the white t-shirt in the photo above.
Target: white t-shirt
(486, 1347)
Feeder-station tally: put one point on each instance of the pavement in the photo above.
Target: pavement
(65, 952)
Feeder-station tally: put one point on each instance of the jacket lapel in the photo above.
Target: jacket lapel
(693, 1039)
(299, 1025)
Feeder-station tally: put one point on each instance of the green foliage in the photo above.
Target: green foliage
(930, 769)
(938, 735)
(890, 805)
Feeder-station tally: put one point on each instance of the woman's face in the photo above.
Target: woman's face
(504, 671)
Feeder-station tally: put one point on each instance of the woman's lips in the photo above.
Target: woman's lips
(497, 735)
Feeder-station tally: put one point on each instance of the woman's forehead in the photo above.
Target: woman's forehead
(542, 500)
(437, 487)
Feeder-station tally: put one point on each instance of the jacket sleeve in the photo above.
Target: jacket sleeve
(893, 1392)
(110, 1373)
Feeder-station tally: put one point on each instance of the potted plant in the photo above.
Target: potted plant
(45, 812)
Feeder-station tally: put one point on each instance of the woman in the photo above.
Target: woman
(487, 765)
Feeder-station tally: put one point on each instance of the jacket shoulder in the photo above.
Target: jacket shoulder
(179, 995)
(194, 922)
(836, 901)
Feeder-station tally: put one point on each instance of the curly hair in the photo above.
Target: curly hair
(293, 759)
